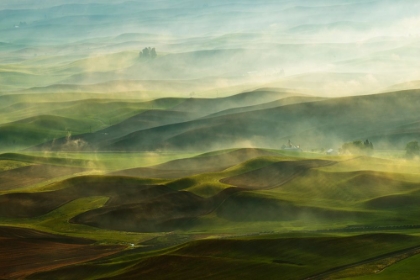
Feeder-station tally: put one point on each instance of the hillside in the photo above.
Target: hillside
(209, 162)
(325, 123)
(159, 113)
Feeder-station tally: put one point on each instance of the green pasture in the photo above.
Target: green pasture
(57, 221)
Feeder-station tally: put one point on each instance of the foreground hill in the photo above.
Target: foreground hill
(315, 235)
(57, 251)
(298, 257)
(263, 191)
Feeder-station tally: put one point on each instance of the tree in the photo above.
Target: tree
(412, 149)
(358, 147)
(148, 53)
(153, 53)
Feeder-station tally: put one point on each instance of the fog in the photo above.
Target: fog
(290, 44)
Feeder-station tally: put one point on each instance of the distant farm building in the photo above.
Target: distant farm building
(332, 152)
(291, 147)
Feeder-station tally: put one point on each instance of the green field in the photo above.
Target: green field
(255, 198)
(209, 139)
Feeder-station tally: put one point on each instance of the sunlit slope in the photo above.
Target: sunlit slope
(260, 193)
(46, 159)
(347, 198)
(99, 112)
(18, 171)
(324, 123)
(38, 203)
(209, 162)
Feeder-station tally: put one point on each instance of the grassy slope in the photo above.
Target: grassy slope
(339, 185)
(31, 126)
(247, 258)
(334, 198)
(35, 130)
(405, 269)
(204, 163)
(57, 221)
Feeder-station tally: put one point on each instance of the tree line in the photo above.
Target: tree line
(358, 147)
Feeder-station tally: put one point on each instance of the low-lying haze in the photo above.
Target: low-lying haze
(325, 48)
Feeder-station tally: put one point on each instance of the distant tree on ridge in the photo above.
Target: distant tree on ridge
(148, 53)
(358, 147)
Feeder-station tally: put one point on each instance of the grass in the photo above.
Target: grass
(57, 221)
(405, 269)
(98, 113)
(11, 164)
(36, 130)
(110, 161)
(335, 197)
(244, 258)
(41, 158)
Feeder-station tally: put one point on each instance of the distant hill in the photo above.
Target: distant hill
(315, 124)
(281, 102)
(166, 111)
(405, 86)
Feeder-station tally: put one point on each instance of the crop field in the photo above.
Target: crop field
(209, 139)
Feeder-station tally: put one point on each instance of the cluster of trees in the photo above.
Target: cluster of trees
(148, 53)
(358, 147)
(412, 149)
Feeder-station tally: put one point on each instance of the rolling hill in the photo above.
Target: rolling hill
(209, 162)
(159, 113)
(261, 125)
(314, 124)
(35, 130)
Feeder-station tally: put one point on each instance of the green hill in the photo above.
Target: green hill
(154, 114)
(326, 123)
(209, 162)
(35, 130)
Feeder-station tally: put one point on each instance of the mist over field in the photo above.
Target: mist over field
(216, 139)
(326, 48)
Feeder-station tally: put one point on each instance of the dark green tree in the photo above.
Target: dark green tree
(358, 147)
(153, 53)
(148, 53)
